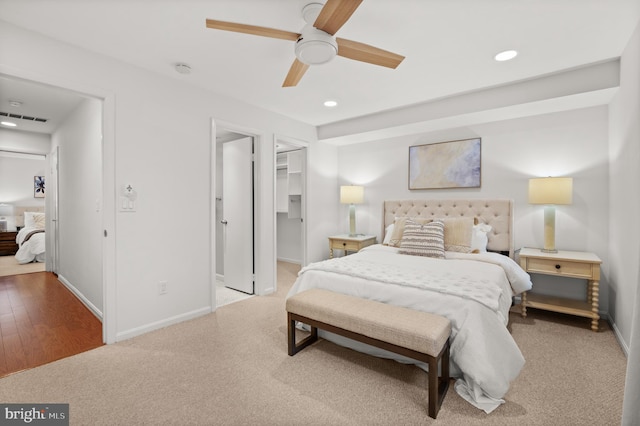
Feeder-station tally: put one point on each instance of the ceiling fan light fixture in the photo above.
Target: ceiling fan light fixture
(311, 11)
(315, 47)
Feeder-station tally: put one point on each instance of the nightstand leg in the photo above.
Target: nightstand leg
(594, 304)
(523, 304)
(589, 292)
(330, 253)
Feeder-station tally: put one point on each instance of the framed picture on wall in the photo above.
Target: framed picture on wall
(452, 164)
(38, 186)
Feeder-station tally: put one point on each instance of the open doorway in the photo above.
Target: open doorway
(290, 207)
(58, 123)
(234, 217)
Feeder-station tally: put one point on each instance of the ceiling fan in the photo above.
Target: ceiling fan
(317, 44)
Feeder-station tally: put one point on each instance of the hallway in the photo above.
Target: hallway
(42, 321)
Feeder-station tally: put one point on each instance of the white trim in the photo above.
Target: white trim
(109, 266)
(212, 214)
(93, 308)
(24, 155)
(137, 331)
(621, 342)
(284, 259)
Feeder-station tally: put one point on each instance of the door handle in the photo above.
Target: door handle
(224, 222)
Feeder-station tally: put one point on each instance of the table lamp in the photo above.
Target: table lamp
(550, 191)
(352, 195)
(6, 210)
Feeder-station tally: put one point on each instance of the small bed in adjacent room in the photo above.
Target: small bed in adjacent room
(31, 238)
(465, 272)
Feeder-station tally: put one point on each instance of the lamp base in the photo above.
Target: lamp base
(549, 250)
(352, 220)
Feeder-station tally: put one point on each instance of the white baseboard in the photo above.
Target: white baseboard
(621, 342)
(128, 334)
(86, 302)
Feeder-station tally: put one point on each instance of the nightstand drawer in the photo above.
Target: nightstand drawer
(560, 267)
(347, 245)
(8, 244)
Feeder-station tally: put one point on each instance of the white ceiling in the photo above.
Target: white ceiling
(36, 101)
(449, 46)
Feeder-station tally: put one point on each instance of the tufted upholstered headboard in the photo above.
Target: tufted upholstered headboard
(497, 213)
(19, 213)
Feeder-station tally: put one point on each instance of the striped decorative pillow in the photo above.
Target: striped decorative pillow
(423, 239)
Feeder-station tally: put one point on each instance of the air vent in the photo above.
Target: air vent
(23, 117)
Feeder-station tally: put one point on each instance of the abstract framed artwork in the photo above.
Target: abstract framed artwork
(451, 164)
(38, 186)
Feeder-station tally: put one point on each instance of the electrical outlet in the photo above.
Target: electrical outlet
(162, 287)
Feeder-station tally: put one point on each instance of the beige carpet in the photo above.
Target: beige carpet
(226, 295)
(232, 368)
(9, 266)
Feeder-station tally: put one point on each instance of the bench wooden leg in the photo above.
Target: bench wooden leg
(438, 383)
(294, 348)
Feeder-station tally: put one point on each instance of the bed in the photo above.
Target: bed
(31, 237)
(472, 285)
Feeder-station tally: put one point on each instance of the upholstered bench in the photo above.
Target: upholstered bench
(418, 335)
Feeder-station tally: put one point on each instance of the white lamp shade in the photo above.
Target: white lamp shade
(551, 190)
(6, 210)
(351, 194)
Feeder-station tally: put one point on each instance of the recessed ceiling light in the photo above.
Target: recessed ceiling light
(330, 103)
(506, 55)
(8, 123)
(15, 104)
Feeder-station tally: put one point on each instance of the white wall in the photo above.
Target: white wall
(27, 142)
(16, 179)
(79, 140)
(161, 131)
(17, 170)
(322, 197)
(289, 242)
(624, 202)
(572, 143)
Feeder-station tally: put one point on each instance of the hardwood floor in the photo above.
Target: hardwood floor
(42, 321)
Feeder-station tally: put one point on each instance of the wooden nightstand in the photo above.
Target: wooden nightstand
(347, 243)
(8, 244)
(571, 264)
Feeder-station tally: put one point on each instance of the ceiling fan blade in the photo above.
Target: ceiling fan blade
(296, 72)
(334, 14)
(252, 29)
(365, 53)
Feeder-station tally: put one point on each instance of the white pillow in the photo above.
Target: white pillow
(34, 220)
(387, 235)
(479, 238)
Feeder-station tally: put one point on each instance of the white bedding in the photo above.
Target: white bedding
(31, 250)
(484, 357)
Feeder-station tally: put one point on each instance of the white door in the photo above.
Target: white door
(51, 238)
(237, 214)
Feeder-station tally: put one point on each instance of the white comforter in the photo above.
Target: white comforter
(484, 356)
(31, 250)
